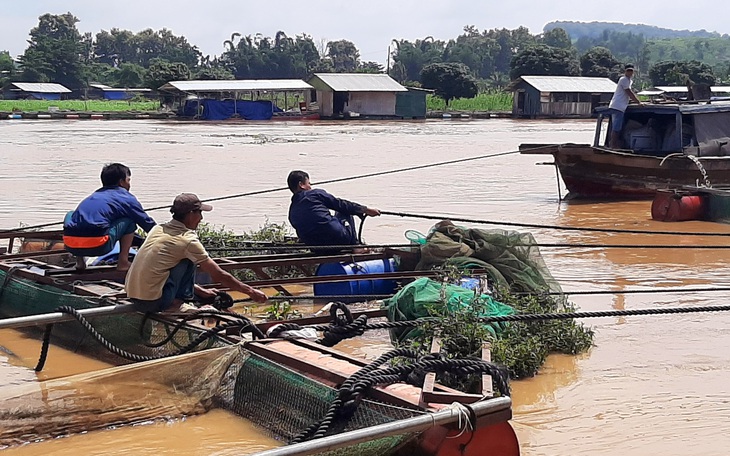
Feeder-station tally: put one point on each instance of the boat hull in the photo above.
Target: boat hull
(593, 172)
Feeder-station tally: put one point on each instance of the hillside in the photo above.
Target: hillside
(577, 30)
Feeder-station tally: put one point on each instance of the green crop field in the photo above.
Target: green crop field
(486, 101)
(78, 105)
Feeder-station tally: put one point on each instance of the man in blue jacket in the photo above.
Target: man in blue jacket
(108, 215)
(309, 214)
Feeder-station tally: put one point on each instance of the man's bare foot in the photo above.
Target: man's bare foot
(80, 263)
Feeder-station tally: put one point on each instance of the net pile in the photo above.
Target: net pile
(281, 402)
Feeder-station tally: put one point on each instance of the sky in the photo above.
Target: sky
(370, 24)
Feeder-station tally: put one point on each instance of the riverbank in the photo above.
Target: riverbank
(87, 115)
(132, 115)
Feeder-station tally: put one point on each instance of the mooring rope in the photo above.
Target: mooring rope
(340, 329)
(220, 327)
(553, 227)
(410, 369)
(329, 181)
(197, 315)
(299, 247)
(9, 277)
(365, 297)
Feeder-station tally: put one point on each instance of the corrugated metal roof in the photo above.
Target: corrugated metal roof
(240, 85)
(100, 86)
(570, 84)
(360, 82)
(41, 87)
(650, 93)
(682, 89)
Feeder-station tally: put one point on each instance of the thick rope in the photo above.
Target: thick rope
(409, 370)
(8, 277)
(330, 181)
(338, 330)
(256, 332)
(553, 227)
(133, 356)
(299, 247)
(372, 297)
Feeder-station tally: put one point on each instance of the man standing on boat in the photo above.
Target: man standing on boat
(162, 276)
(620, 100)
(309, 214)
(108, 215)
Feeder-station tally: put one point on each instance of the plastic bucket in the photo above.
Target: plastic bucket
(356, 287)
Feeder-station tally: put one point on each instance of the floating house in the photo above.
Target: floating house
(35, 90)
(351, 95)
(248, 99)
(559, 96)
(105, 92)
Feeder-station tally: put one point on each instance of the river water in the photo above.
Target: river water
(653, 384)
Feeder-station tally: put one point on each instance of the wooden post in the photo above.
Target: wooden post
(487, 390)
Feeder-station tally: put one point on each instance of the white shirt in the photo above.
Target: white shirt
(620, 98)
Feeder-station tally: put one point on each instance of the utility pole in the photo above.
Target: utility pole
(387, 71)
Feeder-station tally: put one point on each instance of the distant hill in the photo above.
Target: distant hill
(577, 30)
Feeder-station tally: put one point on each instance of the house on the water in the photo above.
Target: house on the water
(559, 96)
(248, 99)
(35, 90)
(351, 95)
(105, 92)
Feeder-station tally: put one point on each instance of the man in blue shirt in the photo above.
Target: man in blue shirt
(108, 215)
(309, 214)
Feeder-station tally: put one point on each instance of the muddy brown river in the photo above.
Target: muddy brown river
(651, 385)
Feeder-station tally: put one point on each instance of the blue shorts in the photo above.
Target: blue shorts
(617, 120)
(180, 285)
(117, 229)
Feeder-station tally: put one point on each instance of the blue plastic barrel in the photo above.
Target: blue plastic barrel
(356, 287)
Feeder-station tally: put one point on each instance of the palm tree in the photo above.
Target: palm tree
(230, 44)
(280, 40)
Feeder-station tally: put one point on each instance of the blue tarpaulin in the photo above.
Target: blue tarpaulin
(116, 95)
(225, 109)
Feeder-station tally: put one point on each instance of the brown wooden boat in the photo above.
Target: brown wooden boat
(667, 146)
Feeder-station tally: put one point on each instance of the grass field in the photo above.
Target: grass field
(77, 105)
(487, 101)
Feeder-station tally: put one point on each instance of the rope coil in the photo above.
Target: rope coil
(410, 369)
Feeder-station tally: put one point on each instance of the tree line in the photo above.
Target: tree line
(58, 52)
(475, 60)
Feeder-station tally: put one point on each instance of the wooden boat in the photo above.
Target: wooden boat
(669, 146)
(302, 369)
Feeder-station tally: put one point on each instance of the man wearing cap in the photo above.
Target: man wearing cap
(108, 215)
(162, 275)
(620, 100)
